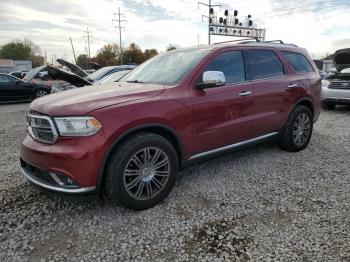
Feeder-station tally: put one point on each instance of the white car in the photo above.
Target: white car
(336, 87)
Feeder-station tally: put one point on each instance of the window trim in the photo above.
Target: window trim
(250, 79)
(291, 65)
(201, 71)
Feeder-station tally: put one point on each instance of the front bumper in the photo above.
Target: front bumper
(341, 96)
(74, 159)
(52, 185)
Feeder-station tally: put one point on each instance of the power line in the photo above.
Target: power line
(88, 36)
(120, 19)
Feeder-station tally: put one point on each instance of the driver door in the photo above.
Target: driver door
(223, 115)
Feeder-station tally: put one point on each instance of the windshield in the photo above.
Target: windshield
(114, 77)
(99, 73)
(166, 69)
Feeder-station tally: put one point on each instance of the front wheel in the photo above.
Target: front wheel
(296, 133)
(40, 93)
(142, 171)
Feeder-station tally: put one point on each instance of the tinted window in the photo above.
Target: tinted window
(231, 64)
(5, 80)
(299, 63)
(264, 64)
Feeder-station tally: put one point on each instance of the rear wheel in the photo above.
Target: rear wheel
(142, 171)
(328, 105)
(296, 133)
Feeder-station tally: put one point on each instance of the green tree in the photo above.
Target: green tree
(83, 61)
(16, 51)
(133, 55)
(107, 55)
(149, 53)
(37, 60)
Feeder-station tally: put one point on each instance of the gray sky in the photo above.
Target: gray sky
(319, 25)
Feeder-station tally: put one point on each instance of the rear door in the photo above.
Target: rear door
(273, 89)
(223, 115)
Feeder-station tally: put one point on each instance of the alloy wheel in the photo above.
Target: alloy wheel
(41, 93)
(146, 173)
(301, 129)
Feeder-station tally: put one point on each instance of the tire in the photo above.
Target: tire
(40, 93)
(136, 183)
(328, 105)
(293, 129)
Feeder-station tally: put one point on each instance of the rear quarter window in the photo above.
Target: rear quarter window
(264, 64)
(299, 62)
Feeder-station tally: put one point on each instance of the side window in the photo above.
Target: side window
(231, 64)
(299, 62)
(5, 80)
(264, 64)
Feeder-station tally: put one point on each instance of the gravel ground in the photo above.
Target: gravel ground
(258, 204)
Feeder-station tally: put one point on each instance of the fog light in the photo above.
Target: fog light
(62, 180)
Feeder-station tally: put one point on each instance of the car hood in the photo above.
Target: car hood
(74, 68)
(33, 73)
(81, 101)
(60, 74)
(341, 59)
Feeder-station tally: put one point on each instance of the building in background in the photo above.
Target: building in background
(8, 65)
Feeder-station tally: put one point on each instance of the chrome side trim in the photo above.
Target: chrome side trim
(53, 188)
(236, 145)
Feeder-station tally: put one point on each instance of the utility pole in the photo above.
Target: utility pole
(71, 42)
(88, 37)
(120, 20)
(210, 12)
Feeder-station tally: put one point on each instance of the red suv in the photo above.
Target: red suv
(129, 139)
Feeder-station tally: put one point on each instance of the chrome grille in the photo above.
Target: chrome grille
(41, 128)
(339, 85)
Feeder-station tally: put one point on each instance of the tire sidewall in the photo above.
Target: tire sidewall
(300, 110)
(115, 185)
(40, 90)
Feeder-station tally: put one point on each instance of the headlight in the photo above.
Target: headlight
(325, 83)
(77, 126)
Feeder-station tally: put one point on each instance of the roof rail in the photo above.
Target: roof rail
(254, 40)
(274, 41)
(240, 41)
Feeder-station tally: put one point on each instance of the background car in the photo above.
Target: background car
(18, 74)
(114, 77)
(15, 89)
(104, 71)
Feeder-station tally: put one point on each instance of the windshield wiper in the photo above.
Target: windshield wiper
(134, 81)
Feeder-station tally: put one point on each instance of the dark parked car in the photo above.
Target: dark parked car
(130, 138)
(14, 89)
(18, 74)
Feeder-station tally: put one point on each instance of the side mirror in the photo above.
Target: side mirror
(212, 79)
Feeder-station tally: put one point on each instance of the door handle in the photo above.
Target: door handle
(245, 93)
(292, 85)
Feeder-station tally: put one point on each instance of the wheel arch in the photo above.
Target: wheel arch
(303, 102)
(155, 128)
